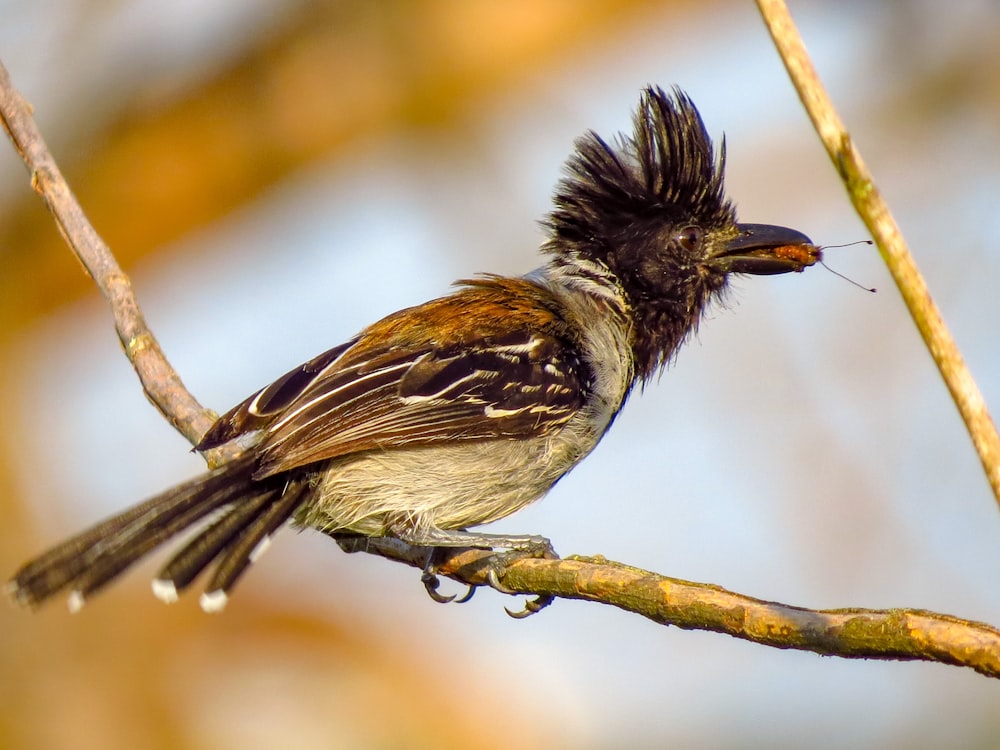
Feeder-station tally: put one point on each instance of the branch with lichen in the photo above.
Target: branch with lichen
(854, 633)
(888, 634)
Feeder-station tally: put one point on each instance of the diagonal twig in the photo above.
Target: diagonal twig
(160, 381)
(875, 213)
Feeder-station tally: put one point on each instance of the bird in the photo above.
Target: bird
(460, 411)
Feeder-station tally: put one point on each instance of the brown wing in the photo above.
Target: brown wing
(502, 367)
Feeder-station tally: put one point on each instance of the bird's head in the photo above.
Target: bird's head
(650, 210)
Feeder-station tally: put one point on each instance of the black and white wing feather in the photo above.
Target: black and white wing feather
(506, 372)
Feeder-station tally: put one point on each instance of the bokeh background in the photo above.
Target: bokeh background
(277, 175)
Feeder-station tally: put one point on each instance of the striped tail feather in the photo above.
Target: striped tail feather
(247, 513)
(233, 541)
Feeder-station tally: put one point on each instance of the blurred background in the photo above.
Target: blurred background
(277, 175)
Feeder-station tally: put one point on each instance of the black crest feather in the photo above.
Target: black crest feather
(667, 170)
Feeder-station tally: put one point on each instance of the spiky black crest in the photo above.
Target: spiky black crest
(666, 171)
(647, 212)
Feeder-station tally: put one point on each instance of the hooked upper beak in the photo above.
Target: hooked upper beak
(764, 249)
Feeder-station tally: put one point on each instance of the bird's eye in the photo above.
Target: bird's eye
(689, 238)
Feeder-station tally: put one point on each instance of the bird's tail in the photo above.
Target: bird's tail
(244, 513)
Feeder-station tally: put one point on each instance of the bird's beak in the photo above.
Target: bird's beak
(763, 249)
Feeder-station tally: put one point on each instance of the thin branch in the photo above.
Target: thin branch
(890, 634)
(160, 381)
(875, 213)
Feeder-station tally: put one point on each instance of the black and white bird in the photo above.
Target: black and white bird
(463, 410)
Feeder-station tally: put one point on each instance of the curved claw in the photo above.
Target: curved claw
(493, 578)
(431, 583)
(466, 596)
(532, 606)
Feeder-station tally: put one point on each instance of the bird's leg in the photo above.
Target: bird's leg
(529, 545)
(517, 546)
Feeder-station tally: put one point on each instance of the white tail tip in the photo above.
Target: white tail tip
(260, 549)
(75, 602)
(213, 601)
(164, 590)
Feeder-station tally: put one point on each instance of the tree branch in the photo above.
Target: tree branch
(890, 634)
(875, 213)
(874, 634)
(160, 381)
